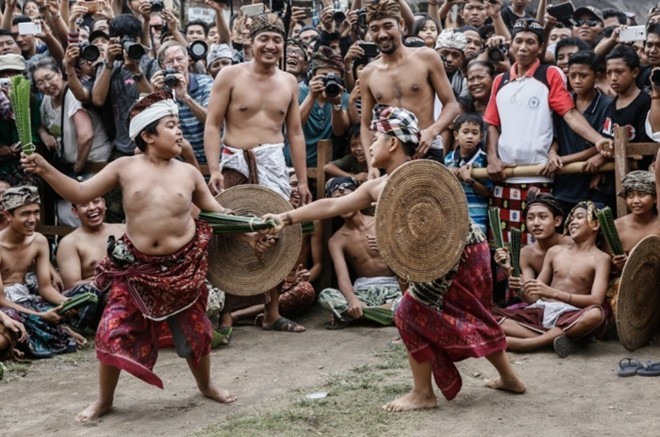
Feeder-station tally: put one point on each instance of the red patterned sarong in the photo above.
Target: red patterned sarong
(126, 338)
(463, 328)
(511, 198)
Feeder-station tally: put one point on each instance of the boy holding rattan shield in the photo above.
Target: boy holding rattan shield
(442, 321)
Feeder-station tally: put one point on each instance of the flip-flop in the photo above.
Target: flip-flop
(649, 368)
(628, 367)
(283, 325)
(221, 337)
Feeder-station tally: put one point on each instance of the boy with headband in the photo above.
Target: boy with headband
(157, 269)
(440, 322)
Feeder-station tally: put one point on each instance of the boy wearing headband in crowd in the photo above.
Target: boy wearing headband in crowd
(355, 243)
(157, 270)
(409, 78)
(570, 292)
(442, 321)
(639, 190)
(256, 102)
(23, 250)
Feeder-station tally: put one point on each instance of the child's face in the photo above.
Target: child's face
(468, 137)
(620, 76)
(357, 150)
(168, 138)
(582, 78)
(640, 202)
(562, 57)
(541, 222)
(579, 224)
(379, 149)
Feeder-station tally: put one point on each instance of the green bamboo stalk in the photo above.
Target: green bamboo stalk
(232, 224)
(516, 239)
(20, 102)
(496, 226)
(608, 228)
(78, 301)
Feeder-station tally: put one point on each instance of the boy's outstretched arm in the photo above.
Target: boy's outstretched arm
(326, 208)
(69, 188)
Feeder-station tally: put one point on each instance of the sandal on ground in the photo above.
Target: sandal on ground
(628, 367)
(221, 337)
(565, 346)
(284, 325)
(649, 368)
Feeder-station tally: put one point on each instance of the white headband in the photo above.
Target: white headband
(152, 113)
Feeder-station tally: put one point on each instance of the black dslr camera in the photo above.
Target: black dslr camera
(170, 77)
(362, 18)
(89, 52)
(333, 84)
(157, 5)
(497, 54)
(133, 48)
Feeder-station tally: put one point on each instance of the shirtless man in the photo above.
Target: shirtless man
(78, 252)
(355, 243)
(257, 102)
(24, 250)
(163, 254)
(408, 78)
(570, 290)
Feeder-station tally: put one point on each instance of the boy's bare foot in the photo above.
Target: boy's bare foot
(411, 401)
(218, 394)
(81, 341)
(513, 385)
(94, 411)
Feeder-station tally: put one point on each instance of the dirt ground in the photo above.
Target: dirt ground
(358, 368)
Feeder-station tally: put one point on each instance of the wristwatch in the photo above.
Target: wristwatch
(138, 77)
(109, 65)
(336, 107)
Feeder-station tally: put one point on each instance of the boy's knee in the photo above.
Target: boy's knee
(592, 318)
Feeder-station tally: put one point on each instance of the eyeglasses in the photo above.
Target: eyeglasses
(590, 23)
(47, 79)
(528, 24)
(157, 27)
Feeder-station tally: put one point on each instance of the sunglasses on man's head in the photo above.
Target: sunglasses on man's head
(590, 23)
(527, 24)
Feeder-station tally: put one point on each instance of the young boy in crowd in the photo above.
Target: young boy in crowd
(570, 291)
(442, 321)
(353, 165)
(468, 133)
(158, 192)
(543, 217)
(585, 69)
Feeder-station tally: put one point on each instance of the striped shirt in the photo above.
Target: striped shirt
(199, 88)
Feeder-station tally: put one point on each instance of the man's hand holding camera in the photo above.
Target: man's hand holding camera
(174, 81)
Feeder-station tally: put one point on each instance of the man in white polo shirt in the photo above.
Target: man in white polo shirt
(519, 117)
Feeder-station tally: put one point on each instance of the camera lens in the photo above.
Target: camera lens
(496, 55)
(197, 50)
(90, 53)
(157, 5)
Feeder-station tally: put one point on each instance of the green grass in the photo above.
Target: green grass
(352, 406)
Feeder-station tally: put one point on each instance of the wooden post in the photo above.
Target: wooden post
(621, 167)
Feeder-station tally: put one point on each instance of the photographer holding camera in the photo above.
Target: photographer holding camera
(191, 91)
(324, 102)
(122, 79)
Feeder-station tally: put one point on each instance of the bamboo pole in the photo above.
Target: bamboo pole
(534, 170)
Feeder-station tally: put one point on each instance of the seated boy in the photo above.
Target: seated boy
(570, 290)
(354, 164)
(157, 270)
(354, 244)
(11, 333)
(639, 190)
(468, 132)
(543, 217)
(440, 322)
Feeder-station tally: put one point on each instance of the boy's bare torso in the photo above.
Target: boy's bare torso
(257, 109)
(574, 271)
(90, 247)
(366, 262)
(404, 84)
(632, 232)
(17, 259)
(157, 198)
